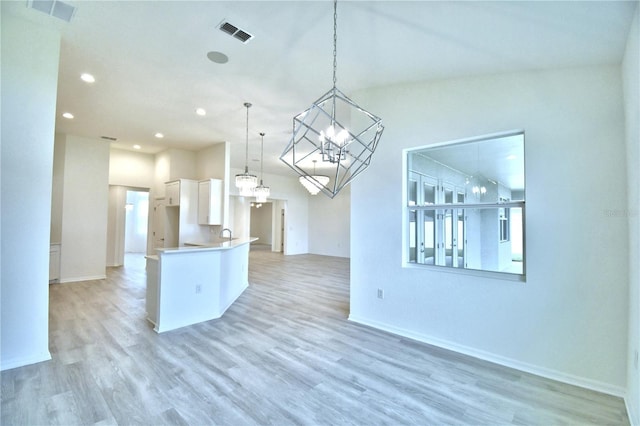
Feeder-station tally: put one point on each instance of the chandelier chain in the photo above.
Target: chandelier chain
(335, 40)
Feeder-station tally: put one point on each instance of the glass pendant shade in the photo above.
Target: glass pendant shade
(314, 183)
(246, 182)
(262, 193)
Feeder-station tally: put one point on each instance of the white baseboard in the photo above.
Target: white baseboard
(497, 359)
(77, 279)
(630, 413)
(234, 298)
(21, 362)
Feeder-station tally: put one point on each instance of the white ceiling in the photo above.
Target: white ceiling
(150, 62)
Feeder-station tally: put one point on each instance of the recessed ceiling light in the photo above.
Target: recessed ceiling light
(67, 115)
(137, 147)
(87, 78)
(159, 135)
(218, 57)
(201, 111)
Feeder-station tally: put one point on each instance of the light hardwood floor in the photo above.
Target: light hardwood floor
(284, 353)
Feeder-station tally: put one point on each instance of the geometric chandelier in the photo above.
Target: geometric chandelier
(335, 134)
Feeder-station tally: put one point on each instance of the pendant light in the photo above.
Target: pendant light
(314, 183)
(246, 182)
(335, 131)
(261, 192)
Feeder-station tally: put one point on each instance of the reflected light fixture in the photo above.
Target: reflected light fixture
(334, 130)
(314, 183)
(479, 190)
(261, 192)
(246, 182)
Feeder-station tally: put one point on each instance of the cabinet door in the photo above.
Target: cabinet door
(159, 218)
(210, 202)
(172, 193)
(204, 201)
(54, 262)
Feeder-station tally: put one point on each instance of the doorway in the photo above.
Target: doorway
(127, 224)
(136, 221)
(261, 225)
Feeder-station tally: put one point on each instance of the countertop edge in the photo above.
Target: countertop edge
(196, 247)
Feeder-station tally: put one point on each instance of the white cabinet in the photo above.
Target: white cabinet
(172, 193)
(210, 202)
(54, 262)
(180, 213)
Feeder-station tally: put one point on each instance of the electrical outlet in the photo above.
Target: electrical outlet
(380, 293)
(198, 289)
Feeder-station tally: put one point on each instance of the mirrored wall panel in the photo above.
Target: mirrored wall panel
(465, 205)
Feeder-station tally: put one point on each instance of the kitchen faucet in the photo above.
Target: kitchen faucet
(222, 233)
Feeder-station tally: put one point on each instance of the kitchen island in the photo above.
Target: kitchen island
(195, 283)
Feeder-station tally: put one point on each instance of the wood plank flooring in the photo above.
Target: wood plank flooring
(283, 354)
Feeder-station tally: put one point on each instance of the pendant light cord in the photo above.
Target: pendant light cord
(335, 60)
(261, 156)
(246, 149)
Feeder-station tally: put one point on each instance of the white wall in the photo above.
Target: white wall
(83, 250)
(569, 320)
(630, 76)
(162, 173)
(116, 221)
(129, 168)
(183, 164)
(30, 55)
(57, 188)
(329, 223)
(173, 164)
(212, 162)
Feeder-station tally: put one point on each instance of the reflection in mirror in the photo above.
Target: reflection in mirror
(470, 212)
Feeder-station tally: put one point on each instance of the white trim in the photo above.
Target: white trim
(632, 420)
(21, 362)
(88, 278)
(224, 308)
(497, 359)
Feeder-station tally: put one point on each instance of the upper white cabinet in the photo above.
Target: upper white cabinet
(210, 202)
(181, 213)
(172, 193)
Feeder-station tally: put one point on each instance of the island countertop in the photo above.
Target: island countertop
(206, 246)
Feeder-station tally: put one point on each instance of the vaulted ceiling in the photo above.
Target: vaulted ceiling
(150, 60)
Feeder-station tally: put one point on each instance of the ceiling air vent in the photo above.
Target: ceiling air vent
(235, 32)
(54, 8)
(109, 138)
